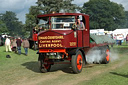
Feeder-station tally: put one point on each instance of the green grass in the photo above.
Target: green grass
(24, 70)
(117, 76)
(14, 68)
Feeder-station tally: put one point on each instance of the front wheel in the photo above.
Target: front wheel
(44, 65)
(77, 62)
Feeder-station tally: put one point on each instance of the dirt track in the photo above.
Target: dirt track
(15, 71)
(62, 74)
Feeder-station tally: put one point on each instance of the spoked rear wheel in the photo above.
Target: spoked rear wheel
(77, 62)
(106, 56)
(44, 65)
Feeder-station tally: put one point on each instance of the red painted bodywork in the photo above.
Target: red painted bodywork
(69, 40)
(63, 43)
(65, 39)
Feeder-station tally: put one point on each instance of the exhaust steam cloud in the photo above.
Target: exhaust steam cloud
(95, 56)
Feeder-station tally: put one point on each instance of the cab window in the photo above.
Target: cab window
(62, 22)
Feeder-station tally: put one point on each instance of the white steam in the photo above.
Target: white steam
(113, 55)
(95, 56)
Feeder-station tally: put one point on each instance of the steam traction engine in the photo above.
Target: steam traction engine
(60, 40)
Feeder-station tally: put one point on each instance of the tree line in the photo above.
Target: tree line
(104, 14)
(10, 24)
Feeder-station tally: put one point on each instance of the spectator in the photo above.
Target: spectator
(8, 44)
(26, 46)
(126, 39)
(19, 45)
(120, 38)
(14, 45)
(4, 38)
(115, 38)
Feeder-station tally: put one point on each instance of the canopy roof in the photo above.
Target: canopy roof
(99, 39)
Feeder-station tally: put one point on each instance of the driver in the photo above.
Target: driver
(80, 25)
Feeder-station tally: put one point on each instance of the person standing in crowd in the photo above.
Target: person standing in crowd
(126, 39)
(19, 45)
(8, 44)
(14, 45)
(120, 37)
(26, 46)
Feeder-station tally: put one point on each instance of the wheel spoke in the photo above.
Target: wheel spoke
(108, 55)
(46, 65)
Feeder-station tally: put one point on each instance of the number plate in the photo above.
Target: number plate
(51, 53)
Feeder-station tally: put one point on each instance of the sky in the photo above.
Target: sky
(21, 7)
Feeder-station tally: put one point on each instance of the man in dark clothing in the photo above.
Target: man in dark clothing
(19, 45)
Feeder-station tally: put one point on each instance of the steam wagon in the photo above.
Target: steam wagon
(63, 38)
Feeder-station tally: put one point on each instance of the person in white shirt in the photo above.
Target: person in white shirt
(8, 45)
(120, 37)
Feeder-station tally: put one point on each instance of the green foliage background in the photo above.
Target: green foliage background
(46, 7)
(104, 14)
(10, 24)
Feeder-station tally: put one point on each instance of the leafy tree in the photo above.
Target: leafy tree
(13, 25)
(48, 6)
(126, 22)
(104, 14)
(3, 28)
(31, 17)
(45, 7)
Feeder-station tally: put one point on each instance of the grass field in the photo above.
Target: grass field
(23, 70)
